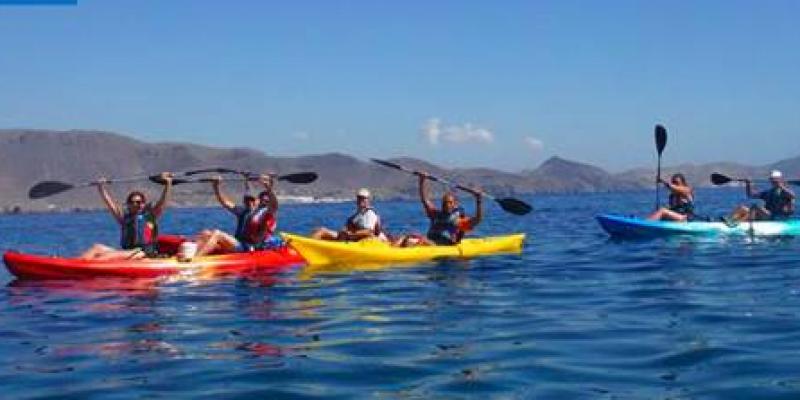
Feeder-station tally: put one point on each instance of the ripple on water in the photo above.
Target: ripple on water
(576, 315)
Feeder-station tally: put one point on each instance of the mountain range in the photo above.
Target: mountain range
(28, 156)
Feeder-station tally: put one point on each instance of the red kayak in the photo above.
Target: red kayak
(29, 266)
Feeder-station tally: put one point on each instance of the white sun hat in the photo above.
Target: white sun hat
(363, 192)
(775, 174)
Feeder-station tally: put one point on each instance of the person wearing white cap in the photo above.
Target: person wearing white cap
(778, 201)
(364, 223)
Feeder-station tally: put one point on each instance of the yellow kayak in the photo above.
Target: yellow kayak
(324, 252)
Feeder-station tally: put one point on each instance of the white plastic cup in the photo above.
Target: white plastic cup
(186, 251)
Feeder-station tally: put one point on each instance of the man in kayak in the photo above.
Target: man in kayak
(138, 223)
(681, 201)
(256, 220)
(778, 201)
(448, 224)
(364, 223)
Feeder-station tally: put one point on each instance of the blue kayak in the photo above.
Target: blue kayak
(631, 227)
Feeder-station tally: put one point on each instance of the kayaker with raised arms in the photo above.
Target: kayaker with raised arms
(681, 201)
(256, 220)
(778, 201)
(138, 223)
(364, 223)
(448, 224)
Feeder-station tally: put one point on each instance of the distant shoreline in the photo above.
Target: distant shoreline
(309, 200)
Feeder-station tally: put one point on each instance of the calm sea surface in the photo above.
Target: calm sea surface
(577, 315)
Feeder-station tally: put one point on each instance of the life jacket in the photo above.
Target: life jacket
(447, 228)
(778, 203)
(353, 222)
(255, 226)
(140, 230)
(680, 204)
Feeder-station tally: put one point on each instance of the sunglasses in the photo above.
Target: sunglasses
(135, 202)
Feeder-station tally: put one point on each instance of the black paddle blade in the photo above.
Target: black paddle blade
(514, 206)
(719, 179)
(48, 188)
(661, 138)
(300, 177)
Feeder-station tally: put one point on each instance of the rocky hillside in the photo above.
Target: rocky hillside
(30, 156)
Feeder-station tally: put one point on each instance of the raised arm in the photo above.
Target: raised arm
(474, 221)
(158, 209)
(429, 208)
(216, 183)
(113, 207)
(269, 182)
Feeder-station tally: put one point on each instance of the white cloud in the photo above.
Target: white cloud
(434, 132)
(533, 143)
(301, 135)
(431, 130)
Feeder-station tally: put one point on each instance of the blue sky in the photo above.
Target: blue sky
(462, 83)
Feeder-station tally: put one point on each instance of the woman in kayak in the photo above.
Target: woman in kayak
(138, 223)
(778, 201)
(364, 223)
(256, 220)
(681, 201)
(448, 224)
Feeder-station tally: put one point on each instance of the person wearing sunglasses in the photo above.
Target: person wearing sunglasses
(362, 224)
(256, 220)
(138, 221)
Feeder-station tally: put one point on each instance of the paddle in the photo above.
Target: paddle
(49, 188)
(298, 177)
(512, 205)
(720, 179)
(661, 143)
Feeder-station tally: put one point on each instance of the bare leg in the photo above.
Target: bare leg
(201, 239)
(656, 215)
(741, 213)
(668, 215)
(411, 241)
(324, 234)
(113, 254)
(206, 243)
(95, 251)
(218, 241)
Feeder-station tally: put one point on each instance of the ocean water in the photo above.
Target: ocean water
(576, 315)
